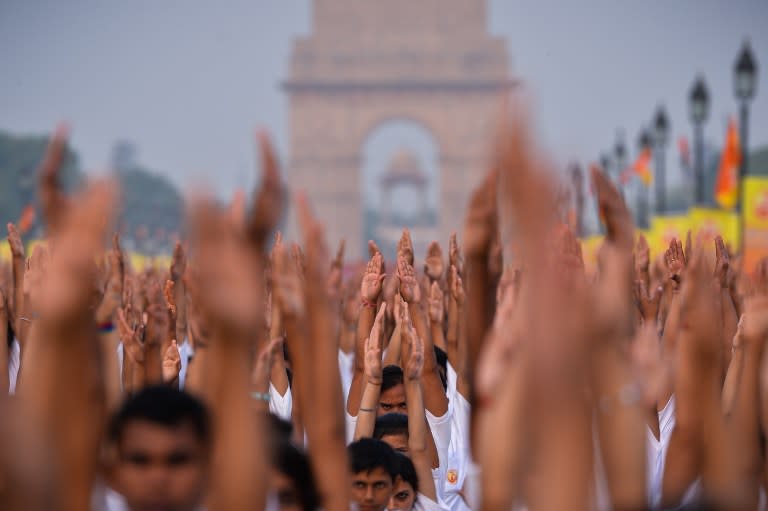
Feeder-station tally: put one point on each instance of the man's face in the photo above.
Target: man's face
(398, 442)
(160, 468)
(372, 490)
(288, 497)
(403, 496)
(392, 400)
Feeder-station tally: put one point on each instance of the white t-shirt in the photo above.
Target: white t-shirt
(282, 406)
(346, 370)
(351, 422)
(14, 362)
(424, 503)
(458, 448)
(441, 432)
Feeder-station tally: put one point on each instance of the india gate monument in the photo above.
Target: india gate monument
(366, 63)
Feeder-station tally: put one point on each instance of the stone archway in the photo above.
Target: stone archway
(431, 61)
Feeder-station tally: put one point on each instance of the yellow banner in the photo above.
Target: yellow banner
(755, 220)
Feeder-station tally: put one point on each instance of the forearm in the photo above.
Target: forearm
(436, 330)
(732, 378)
(17, 269)
(729, 321)
(744, 422)
(392, 356)
(153, 360)
(111, 368)
(418, 434)
(4, 379)
(621, 428)
(452, 333)
(364, 324)
(197, 377)
(238, 474)
(480, 305)
(366, 415)
(279, 375)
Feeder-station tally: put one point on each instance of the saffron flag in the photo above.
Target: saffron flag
(26, 219)
(727, 185)
(642, 166)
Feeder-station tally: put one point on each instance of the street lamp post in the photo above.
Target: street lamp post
(620, 157)
(643, 142)
(698, 102)
(745, 83)
(660, 140)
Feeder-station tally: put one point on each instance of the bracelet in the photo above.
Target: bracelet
(105, 328)
(366, 303)
(371, 410)
(628, 395)
(261, 396)
(25, 319)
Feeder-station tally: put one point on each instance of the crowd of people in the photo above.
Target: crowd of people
(256, 373)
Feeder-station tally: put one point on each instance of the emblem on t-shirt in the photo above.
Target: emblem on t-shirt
(452, 476)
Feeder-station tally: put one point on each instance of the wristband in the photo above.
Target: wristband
(370, 410)
(105, 328)
(366, 303)
(261, 396)
(627, 395)
(21, 318)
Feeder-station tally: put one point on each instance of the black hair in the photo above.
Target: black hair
(280, 430)
(405, 469)
(442, 361)
(390, 424)
(165, 406)
(292, 462)
(368, 454)
(391, 376)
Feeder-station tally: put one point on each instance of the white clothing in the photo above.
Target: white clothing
(441, 432)
(458, 448)
(186, 352)
(346, 370)
(282, 406)
(424, 503)
(351, 423)
(14, 362)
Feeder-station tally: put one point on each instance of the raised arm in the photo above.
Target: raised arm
(366, 420)
(370, 289)
(17, 269)
(327, 436)
(418, 430)
(435, 399)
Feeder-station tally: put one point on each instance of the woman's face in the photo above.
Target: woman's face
(403, 496)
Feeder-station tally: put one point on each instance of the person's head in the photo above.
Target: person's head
(392, 398)
(373, 473)
(291, 479)
(406, 485)
(162, 443)
(392, 428)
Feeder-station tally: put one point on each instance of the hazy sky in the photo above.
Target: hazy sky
(188, 80)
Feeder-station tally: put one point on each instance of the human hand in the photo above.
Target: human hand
(648, 301)
(405, 246)
(372, 360)
(54, 202)
(270, 199)
(415, 361)
(287, 284)
(14, 241)
(409, 286)
(481, 224)
(433, 264)
(264, 362)
(178, 262)
(436, 304)
(333, 284)
(676, 262)
(131, 338)
(454, 255)
(171, 363)
(457, 287)
(113, 294)
(370, 287)
(642, 256)
(722, 262)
